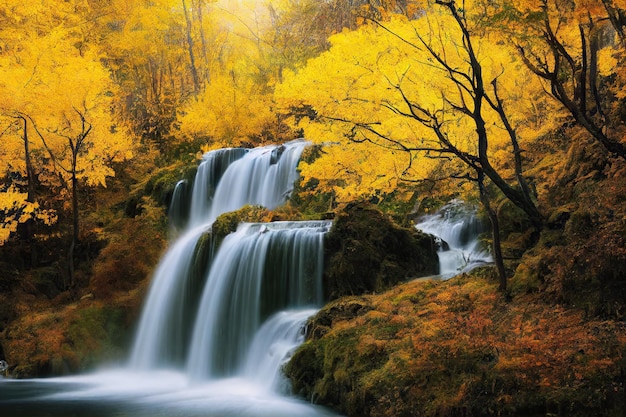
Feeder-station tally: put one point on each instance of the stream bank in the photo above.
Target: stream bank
(457, 348)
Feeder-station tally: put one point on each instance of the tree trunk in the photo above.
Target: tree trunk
(496, 245)
(615, 17)
(75, 227)
(27, 228)
(206, 76)
(192, 58)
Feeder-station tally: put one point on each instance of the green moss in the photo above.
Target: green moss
(527, 278)
(97, 335)
(227, 223)
(160, 185)
(48, 280)
(366, 252)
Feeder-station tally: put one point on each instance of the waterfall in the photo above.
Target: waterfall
(164, 327)
(209, 309)
(271, 348)
(178, 211)
(258, 271)
(264, 176)
(458, 228)
(210, 172)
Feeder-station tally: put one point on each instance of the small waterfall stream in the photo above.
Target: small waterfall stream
(458, 228)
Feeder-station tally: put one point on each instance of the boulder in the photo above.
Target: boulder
(366, 252)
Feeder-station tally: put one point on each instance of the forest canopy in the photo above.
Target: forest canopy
(392, 89)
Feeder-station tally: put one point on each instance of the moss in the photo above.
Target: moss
(559, 217)
(527, 278)
(160, 186)
(96, 335)
(455, 348)
(580, 224)
(48, 281)
(227, 223)
(329, 372)
(366, 252)
(69, 341)
(128, 259)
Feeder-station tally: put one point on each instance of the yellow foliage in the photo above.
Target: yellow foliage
(359, 90)
(230, 110)
(58, 94)
(16, 209)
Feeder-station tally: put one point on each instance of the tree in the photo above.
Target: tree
(80, 134)
(58, 86)
(421, 91)
(255, 44)
(146, 48)
(562, 45)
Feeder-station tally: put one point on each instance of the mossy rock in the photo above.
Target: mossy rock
(326, 368)
(95, 334)
(161, 186)
(444, 348)
(76, 339)
(227, 223)
(366, 252)
(559, 216)
(48, 280)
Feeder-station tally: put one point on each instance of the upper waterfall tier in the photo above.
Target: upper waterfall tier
(228, 179)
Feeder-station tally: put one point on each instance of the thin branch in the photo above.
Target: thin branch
(55, 161)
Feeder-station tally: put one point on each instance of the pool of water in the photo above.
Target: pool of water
(154, 394)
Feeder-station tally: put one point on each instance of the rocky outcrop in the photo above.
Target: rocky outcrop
(366, 252)
(457, 348)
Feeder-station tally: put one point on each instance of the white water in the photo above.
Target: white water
(217, 325)
(258, 271)
(459, 228)
(220, 325)
(226, 180)
(160, 340)
(208, 177)
(178, 210)
(264, 176)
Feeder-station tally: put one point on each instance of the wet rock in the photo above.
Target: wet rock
(366, 252)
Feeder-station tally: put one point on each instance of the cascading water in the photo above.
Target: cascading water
(210, 172)
(271, 348)
(179, 206)
(458, 228)
(264, 176)
(218, 323)
(164, 329)
(226, 180)
(258, 271)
